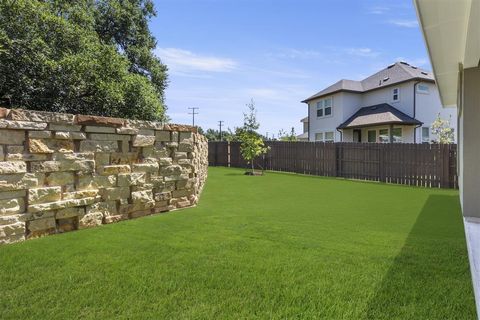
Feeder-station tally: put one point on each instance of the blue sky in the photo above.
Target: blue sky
(223, 53)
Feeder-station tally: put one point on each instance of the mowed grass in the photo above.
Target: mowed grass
(281, 246)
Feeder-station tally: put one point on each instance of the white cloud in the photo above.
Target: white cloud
(184, 61)
(378, 10)
(404, 23)
(296, 54)
(363, 52)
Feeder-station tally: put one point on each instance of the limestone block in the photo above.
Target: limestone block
(60, 178)
(74, 156)
(7, 167)
(181, 193)
(41, 224)
(23, 125)
(88, 193)
(12, 194)
(4, 112)
(142, 196)
(115, 218)
(108, 137)
(163, 196)
(145, 167)
(98, 146)
(102, 159)
(45, 166)
(38, 146)
(40, 215)
(64, 127)
(171, 145)
(99, 129)
(127, 130)
(131, 179)
(40, 134)
(115, 193)
(174, 136)
(123, 158)
(140, 213)
(165, 162)
(11, 219)
(99, 120)
(15, 229)
(61, 204)
(61, 135)
(142, 187)
(15, 182)
(12, 136)
(96, 182)
(186, 135)
(163, 136)
(185, 147)
(180, 155)
(50, 145)
(90, 220)
(114, 169)
(66, 225)
(146, 132)
(142, 124)
(12, 206)
(174, 178)
(143, 141)
(69, 213)
(40, 116)
(171, 170)
(26, 157)
(43, 195)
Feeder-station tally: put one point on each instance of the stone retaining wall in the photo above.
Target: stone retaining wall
(62, 172)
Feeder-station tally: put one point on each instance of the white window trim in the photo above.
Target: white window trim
(398, 94)
(323, 108)
(429, 134)
(323, 136)
(423, 91)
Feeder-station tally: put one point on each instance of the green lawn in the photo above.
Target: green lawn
(280, 246)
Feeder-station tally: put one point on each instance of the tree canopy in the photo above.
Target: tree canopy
(81, 56)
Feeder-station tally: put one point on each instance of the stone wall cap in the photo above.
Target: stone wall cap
(40, 116)
(180, 127)
(99, 120)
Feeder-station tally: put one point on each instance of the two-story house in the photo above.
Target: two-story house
(396, 104)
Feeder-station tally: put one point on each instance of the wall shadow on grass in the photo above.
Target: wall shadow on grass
(430, 277)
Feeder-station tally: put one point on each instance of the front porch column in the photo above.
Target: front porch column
(390, 131)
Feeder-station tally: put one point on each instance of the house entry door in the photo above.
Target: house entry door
(357, 135)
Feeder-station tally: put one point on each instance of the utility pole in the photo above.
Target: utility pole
(193, 113)
(220, 125)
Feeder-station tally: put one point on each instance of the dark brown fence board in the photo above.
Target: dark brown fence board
(426, 165)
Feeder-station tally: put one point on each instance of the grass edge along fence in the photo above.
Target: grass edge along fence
(426, 165)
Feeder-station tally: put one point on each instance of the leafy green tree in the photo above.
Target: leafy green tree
(442, 129)
(84, 56)
(252, 144)
(283, 136)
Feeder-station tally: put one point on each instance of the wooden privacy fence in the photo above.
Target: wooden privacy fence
(428, 165)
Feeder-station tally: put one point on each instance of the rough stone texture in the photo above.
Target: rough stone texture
(62, 172)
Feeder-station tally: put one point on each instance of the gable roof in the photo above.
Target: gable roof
(393, 74)
(304, 119)
(377, 115)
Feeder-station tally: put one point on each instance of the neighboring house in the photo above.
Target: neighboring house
(304, 135)
(396, 104)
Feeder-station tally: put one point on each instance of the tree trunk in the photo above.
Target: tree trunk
(253, 168)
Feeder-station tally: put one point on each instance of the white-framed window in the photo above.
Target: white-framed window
(397, 135)
(328, 136)
(383, 136)
(324, 108)
(425, 134)
(395, 94)
(422, 88)
(372, 136)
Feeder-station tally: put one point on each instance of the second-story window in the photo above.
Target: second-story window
(324, 108)
(396, 94)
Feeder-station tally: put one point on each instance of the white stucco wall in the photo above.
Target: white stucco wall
(428, 106)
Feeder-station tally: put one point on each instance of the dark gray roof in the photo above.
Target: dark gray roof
(377, 115)
(304, 119)
(395, 73)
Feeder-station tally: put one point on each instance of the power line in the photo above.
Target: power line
(220, 122)
(193, 113)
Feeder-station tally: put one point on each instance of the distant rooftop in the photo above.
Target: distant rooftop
(394, 73)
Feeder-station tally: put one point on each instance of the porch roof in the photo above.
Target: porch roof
(378, 115)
